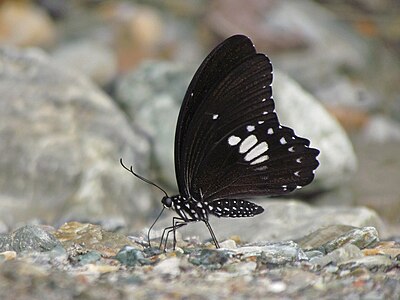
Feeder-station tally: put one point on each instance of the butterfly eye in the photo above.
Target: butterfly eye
(167, 201)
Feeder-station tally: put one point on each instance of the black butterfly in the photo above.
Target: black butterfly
(229, 144)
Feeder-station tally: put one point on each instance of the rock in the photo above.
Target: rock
(89, 258)
(228, 244)
(338, 256)
(5, 242)
(274, 253)
(152, 95)
(91, 238)
(332, 237)
(282, 220)
(131, 257)
(28, 238)
(212, 259)
(373, 262)
(301, 111)
(91, 58)
(382, 130)
(34, 238)
(361, 237)
(388, 248)
(169, 267)
(61, 142)
(24, 24)
(7, 255)
(321, 236)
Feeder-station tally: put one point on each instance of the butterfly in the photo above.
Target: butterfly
(229, 144)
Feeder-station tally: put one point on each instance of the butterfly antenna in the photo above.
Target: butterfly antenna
(141, 177)
(155, 221)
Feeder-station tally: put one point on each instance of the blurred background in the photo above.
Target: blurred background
(83, 83)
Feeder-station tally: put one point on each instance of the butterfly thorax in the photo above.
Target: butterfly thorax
(189, 209)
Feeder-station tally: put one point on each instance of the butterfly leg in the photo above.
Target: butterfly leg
(176, 223)
(212, 234)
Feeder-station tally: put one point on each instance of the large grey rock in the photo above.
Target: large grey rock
(282, 220)
(93, 59)
(61, 139)
(300, 110)
(152, 95)
(28, 238)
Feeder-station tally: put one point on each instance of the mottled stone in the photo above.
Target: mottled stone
(373, 262)
(131, 256)
(283, 220)
(361, 237)
(93, 59)
(30, 238)
(213, 259)
(321, 236)
(88, 258)
(91, 237)
(228, 244)
(169, 267)
(7, 255)
(337, 256)
(67, 137)
(5, 242)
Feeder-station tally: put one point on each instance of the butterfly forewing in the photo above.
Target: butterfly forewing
(228, 141)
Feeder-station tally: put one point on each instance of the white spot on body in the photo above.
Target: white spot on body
(250, 128)
(215, 116)
(248, 143)
(270, 131)
(234, 140)
(256, 151)
(282, 141)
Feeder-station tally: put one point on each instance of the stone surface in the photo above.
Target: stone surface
(61, 142)
(302, 112)
(281, 220)
(28, 238)
(89, 237)
(253, 271)
(24, 24)
(93, 59)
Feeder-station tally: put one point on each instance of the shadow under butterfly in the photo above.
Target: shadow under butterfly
(229, 144)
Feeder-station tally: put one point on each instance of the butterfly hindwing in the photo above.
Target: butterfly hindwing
(229, 142)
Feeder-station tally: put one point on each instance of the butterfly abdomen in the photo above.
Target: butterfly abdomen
(232, 208)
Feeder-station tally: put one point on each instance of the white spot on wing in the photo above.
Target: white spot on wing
(256, 151)
(270, 131)
(282, 141)
(250, 128)
(215, 116)
(248, 143)
(291, 149)
(233, 140)
(260, 160)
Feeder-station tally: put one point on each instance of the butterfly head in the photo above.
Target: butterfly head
(166, 201)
